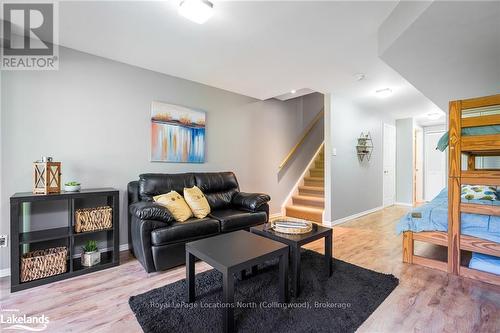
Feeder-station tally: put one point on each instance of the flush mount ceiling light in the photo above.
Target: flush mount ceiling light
(198, 11)
(359, 76)
(293, 91)
(434, 115)
(383, 93)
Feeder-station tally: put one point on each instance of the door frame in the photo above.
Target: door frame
(384, 125)
(416, 144)
(433, 131)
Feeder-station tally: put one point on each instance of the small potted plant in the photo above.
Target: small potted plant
(90, 255)
(72, 187)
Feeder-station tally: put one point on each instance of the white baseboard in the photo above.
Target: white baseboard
(352, 217)
(4, 272)
(406, 204)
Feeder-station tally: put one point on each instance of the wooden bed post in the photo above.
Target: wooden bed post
(408, 247)
(454, 187)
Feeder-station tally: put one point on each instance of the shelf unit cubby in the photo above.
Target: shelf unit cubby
(54, 226)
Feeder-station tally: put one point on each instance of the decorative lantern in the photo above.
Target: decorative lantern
(46, 176)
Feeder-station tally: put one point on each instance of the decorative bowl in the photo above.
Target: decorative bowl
(72, 188)
(291, 226)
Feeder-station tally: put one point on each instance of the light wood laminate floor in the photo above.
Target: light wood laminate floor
(425, 301)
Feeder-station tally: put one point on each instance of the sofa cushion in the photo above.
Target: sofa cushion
(182, 231)
(218, 187)
(234, 219)
(153, 184)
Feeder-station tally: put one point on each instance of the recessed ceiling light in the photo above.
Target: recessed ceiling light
(198, 11)
(382, 93)
(293, 91)
(434, 115)
(359, 76)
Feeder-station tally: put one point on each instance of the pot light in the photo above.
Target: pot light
(434, 116)
(383, 93)
(293, 91)
(359, 76)
(198, 11)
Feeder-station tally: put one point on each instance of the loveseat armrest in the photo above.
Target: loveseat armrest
(140, 234)
(250, 201)
(145, 210)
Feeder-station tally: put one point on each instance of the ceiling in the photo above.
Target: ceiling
(259, 49)
(450, 51)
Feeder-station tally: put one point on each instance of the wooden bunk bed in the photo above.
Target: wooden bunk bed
(471, 146)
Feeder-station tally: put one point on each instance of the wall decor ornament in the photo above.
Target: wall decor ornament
(46, 176)
(177, 133)
(364, 147)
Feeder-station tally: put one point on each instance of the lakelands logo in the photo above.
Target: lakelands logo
(12, 319)
(29, 36)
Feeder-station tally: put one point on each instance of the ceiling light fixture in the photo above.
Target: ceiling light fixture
(293, 91)
(198, 11)
(434, 115)
(359, 76)
(383, 93)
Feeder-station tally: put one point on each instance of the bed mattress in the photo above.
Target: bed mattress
(485, 263)
(480, 130)
(433, 216)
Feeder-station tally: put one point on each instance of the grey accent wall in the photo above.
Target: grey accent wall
(356, 186)
(404, 160)
(93, 116)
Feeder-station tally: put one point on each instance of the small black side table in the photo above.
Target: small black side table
(230, 254)
(295, 242)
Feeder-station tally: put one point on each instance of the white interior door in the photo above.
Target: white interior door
(419, 165)
(434, 166)
(389, 180)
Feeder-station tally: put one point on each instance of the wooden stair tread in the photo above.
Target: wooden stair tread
(306, 208)
(314, 178)
(307, 197)
(312, 188)
(315, 201)
(305, 212)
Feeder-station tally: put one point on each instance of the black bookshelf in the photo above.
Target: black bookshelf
(64, 234)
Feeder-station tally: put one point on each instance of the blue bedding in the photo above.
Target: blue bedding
(433, 216)
(479, 130)
(485, 263)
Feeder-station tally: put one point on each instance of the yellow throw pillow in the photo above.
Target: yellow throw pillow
(176, 204)
(197, 202)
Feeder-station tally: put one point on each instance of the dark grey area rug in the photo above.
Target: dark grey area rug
(340, 303)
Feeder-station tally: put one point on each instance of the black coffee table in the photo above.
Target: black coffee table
(230, 254)
(295, 242)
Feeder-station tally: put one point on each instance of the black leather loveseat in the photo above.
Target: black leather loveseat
(158, 241)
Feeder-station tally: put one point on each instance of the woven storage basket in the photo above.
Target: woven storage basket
(43, 263)
(90, 219)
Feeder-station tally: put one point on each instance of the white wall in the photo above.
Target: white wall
(356, 186)
(93, 116)
(404, 161)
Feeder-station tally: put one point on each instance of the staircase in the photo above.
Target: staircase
(309, 200)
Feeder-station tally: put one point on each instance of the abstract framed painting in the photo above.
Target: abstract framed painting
(177, 134)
